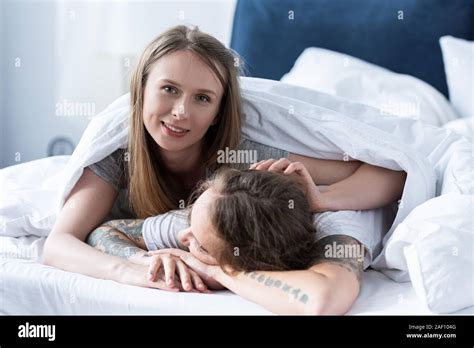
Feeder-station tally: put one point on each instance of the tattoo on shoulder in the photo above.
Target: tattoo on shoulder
(131, 228)
(342, 250)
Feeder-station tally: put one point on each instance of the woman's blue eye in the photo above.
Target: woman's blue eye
(172, 90)
(204, 98)
(169, 89)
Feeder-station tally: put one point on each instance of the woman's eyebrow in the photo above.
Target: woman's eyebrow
(199, 90)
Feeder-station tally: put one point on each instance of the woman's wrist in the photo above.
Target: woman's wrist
(228, 280)
(118, 269)
(220, 277)
(327, 200)
(140, 257)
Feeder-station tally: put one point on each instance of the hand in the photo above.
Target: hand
(300, 174)
(172, 265)
(136, 274)
(208, 273)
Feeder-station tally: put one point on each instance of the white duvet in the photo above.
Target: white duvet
(430, 237)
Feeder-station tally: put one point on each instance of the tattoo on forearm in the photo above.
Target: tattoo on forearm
(131, 228)
(343, 251)
(270, 282)
(112, 242)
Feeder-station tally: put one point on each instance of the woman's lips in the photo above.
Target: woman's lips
(173, 131)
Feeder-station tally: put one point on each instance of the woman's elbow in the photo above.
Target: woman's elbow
(47, 257)
(401, 180)
(330, 302)
(319, 303)
(50, 256)
(318, 307)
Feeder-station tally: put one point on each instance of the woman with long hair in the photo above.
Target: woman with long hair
(185, 107)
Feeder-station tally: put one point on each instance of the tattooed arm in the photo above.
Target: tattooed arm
(330, 286)
(341, 259)
(121, 238)
(124, 238)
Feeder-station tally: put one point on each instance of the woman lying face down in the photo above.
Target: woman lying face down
(241, 221)
(249, 220)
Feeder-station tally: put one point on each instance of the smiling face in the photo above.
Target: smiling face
(181, 101)
(201, 238)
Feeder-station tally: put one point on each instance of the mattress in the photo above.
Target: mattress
(27, 287)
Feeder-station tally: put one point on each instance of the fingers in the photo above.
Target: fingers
(295, 167)
(271, 165)
(190, 280)
(263, 165)
(170, 251)
(280, 166)
(283, 165)
(198, 283)
(296, 170)
(193, 263)
(154, 268)
(163, 269)
(255, 165)
(160, 284)
(187, 267)
(300, 169)
(169, 265)
(184, 275)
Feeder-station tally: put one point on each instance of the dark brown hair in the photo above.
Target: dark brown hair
(263, 220)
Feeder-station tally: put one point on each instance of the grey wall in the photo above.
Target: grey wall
(73, 52)
(2, 86)
(28, 89)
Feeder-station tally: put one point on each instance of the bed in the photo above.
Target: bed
(273, 38)
(30, 288)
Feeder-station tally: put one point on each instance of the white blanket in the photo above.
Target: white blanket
(301, 121)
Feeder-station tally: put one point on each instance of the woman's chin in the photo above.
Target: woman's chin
(170, 145)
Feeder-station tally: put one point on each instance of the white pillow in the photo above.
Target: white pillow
(439, 251)
(458, 56)
(349, 77)
(463, 126)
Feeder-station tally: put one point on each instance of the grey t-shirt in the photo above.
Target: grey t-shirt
(114, 170)
(368, 227)
(159, 232)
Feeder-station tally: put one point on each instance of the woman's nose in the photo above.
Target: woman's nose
(181, 109)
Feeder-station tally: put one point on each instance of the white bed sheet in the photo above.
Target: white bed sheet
(28, 287)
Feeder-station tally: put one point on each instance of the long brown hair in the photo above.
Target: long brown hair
(263, 221)
(148, 192)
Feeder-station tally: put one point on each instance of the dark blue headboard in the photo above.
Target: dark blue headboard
(269, 41)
